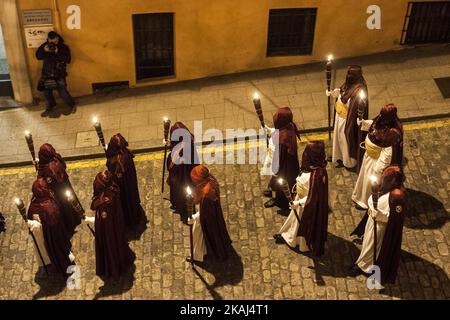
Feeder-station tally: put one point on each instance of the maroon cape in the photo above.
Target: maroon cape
(288, 157)
(56, 239)
(113, 256)
(353, 134)
(52, 168)
(389, 256)
(214, 229)
(120, 163)
(314, 221)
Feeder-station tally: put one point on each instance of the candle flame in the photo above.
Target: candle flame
(330, 57)
(17, 201)
(68, 193)
(94, 120)
(280, 181)
(165, 119)
(27, 133)
(373, 179)
(188, 190)
(362, 94)
(256, 96)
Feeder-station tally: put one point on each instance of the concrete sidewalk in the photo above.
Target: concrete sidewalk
(404, 77)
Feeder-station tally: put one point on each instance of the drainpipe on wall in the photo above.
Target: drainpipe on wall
(57, 16)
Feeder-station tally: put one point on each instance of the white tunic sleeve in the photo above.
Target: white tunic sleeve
(384, 160)
(365, 124)
(383, 210)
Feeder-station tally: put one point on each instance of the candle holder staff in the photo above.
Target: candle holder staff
(166, 126)
(259, 112)
(190, 211)
(98, 129)
(76, 205)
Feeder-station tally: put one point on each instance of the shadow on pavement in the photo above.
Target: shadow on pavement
(425, 211)
(49, 285)
(114, 287)
(229, 272)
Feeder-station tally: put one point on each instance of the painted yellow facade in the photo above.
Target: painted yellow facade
(211, 37)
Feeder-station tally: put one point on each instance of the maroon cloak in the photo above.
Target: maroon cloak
(286, 148)
(389, 257)
(214, 229)
(52, 168)
(113, 256)
(354, 83)
(120, 163)
(314, 222)
(180, 174)
(56, 239)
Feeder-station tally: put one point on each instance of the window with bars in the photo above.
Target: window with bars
(291, 31)
(153, 45)
(427, 22)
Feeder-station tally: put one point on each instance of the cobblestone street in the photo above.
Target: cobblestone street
(260, 268)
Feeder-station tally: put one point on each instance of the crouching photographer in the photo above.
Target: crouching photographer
(56, 56)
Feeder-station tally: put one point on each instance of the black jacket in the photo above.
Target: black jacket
(54, 64)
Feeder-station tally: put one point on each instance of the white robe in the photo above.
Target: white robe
(198, 239)
(36, 229)
(365, 260)
(266, 170)
(290, 227)
(369, 167)
(340, 145)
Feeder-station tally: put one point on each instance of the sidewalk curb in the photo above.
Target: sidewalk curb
(205, 143)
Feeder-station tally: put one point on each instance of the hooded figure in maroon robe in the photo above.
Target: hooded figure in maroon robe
(180, 170)
(120, 163)
(113, 256)
(350, 90)
(314, 221)
(214, 229)
(57, 241)
(286, 149)
(387, 130)
(52, 168)
(388, 258)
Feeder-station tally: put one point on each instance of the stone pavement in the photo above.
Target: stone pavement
(259, 269)
(403, 77)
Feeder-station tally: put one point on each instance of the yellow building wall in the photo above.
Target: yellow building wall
(212, 37)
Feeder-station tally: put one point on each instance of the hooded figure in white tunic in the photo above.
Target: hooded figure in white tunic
(306, 227)
(384, 146)
(346, 137)
(388, 215)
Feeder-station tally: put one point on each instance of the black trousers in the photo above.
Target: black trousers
(63, 93)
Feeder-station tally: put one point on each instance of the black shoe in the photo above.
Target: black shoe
(267, 193)
(47, 112)
(354, 271)
(284, 212)
(279, 239)
(73, 108)
(270, 203)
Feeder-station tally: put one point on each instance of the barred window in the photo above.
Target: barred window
(291, 31)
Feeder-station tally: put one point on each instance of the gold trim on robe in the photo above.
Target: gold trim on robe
(371, 148)
(341, 108)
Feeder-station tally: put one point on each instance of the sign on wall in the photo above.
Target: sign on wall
(37, 17)
(36, 35)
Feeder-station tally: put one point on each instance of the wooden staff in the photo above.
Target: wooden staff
(190, 210)
(76, 206)
(98, 129)
(21, 207)
(30, 143)
(287, 193)
(166, 124)
(375, 194)
(328, 76)
(257, 104)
